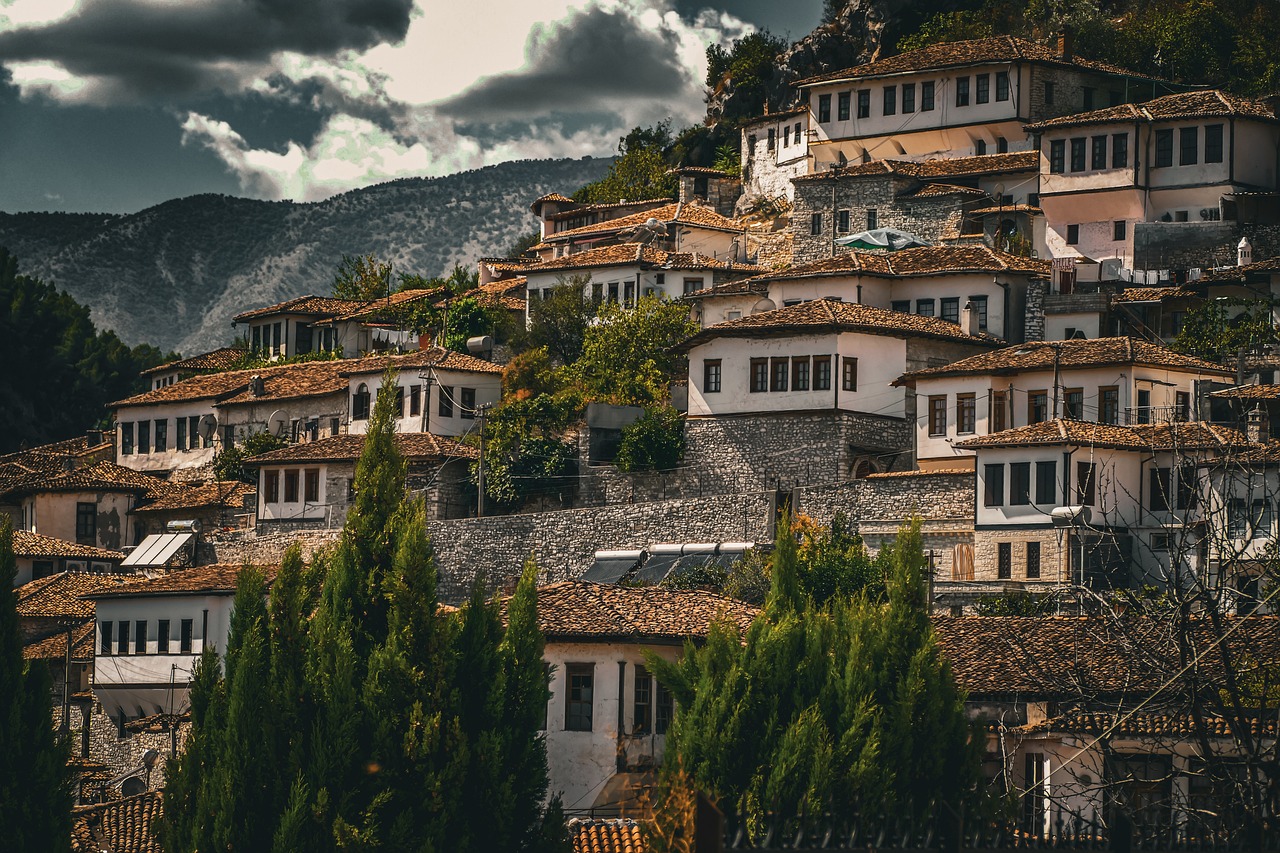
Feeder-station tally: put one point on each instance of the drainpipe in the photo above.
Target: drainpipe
(622, 683)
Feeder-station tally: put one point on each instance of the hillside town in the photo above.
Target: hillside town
(946, 295)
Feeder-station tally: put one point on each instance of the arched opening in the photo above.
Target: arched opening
(360, 403)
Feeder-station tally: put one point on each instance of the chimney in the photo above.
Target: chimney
(969, 320)
(256, 386)
(1258, 426)
(1244, 252)
(1066, 44)
(93, 437)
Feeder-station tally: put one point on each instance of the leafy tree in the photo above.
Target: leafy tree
(559, 321)
(35, 784)
(189, 800)
(748, 68)
(362, 277)
(522, 245)
(639, 172)
(80, 370)
(229, 463)
(842, 709)
(530, 374)
(525, 453)
(626, 354)
(729, 160)
(1214, 332)
(1015, 604)
(653, 443)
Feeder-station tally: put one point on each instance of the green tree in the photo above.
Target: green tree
(35, 785)
(1218, 330)
(362, 277)
(653, 443)
(189, 781)
(748, 67)
(229, 463)
(627, 354)
(559, 321)
(639, 172)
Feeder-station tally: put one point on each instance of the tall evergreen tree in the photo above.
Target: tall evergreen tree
(188, 814)
(35, 785)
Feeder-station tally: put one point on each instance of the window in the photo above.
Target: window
(786, 140)
(1186, 498)
(104, 637)
(815, 224)
(1119, 229)
(162, 637)
(1002, 85)
(580, 678)
(1087, 99)
(864, 104)
(184, 636)
(800, 374)
(126, 439)
(692, 285)
(1098, 158)
(966, 413)
(902, 306)
(360, 403)
(1077, 154)
(773, 138)
(924, 307)
(1046, 483)
(311, 485)
(908, 97)
(1073, 235)
(1119, 150)
(291, 486)
(962, 91)
(759, 375)
(1057, 156)
(1048, 92)
(711, 376)
(849, 376)
(1037, 407)
(997, 418)
(642, 702)
(1109, 405)
(1086, 485)
(144, 436)
(276, 345)
(1144, 407)
(415, 400)
(951, 309)
(271, 485)
(842, 221)
(86, 523)
(1213, 143)
(1019, 483)
(467, 404)
(779, 368)
(665, 711)
(982, 93)
(871, 219)
(824, 108)
(979, 304)
(444, 407)
(1188, 146)
(938, 415)
(980, 147)
(1002, 146)
(257, 339)
(1004, 560)
(1161, 485)
(1033, 560)
(1261, 518)
(140, 638)
(1164, 148)
(822, 373)
(122, 638)
(1073, 404)
(162, 435)
(890, 100)
(399, 404)
(180, 439)
(993, 484)
(796, 133)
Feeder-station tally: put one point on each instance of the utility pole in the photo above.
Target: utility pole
(483, 411)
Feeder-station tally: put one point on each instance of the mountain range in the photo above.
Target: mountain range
(174, 274)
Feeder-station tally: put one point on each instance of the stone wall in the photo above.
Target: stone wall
(1183, 245)
(1034, 330)
(249, 547)
(122, 753)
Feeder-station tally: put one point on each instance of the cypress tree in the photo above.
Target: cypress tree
(35, 784)
(188, 816)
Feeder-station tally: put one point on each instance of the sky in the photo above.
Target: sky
(116, 105)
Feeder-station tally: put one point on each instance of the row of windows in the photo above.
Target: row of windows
(1089, 153)
(785, 373)
(1119, 232)
(1072, 408)
(464, 399)
(653, 705)
(125, 631)
(152, 436)
(310, 479)
(786, 135)
(1020, 484)
(895, 98)
(950, 308)
(1004, 560)
(1189, 145)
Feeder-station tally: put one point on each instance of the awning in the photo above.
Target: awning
(882, 238)
(611, 566)
(157, 549)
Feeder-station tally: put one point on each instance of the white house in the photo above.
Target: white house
(40, 556)
(682, 227)
(90, 506)
(353, 327)
(151, 632)
(774, 151)
(607, 715)
(558, 213)
(1106, 380)
(223, 358)
(437, 391)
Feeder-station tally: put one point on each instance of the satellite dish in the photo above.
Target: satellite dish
(764, 304)
(999, 191)
(207, 426)
(653, 224)
(278, 423)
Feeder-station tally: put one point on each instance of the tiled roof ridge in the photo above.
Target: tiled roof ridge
(1180, 104)
(29, 544)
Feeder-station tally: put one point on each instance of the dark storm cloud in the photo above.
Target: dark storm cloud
(589, 62)
(179, 48)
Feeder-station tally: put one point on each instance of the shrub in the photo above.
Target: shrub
(653, 443)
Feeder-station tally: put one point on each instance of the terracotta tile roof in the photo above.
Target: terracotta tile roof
(940, 472)
(1009, 208)
(210, 387)
(985, 51)
(606, 836)
(1095, 352)
(370, 311)
(1262, 455)
(557, 197)
(1210, 103)
(219, 359)
(698, 170)
(778, 116)
(294, 382)
(54, 646)
(592, 611)
(38, 464)
(605, 207)
(102, 477)
(823, 316)
(936, 190)
(1156, 294)
(1143, 724)
(686, 213)
(941, 167)
(122, 826)
(319, 305)
(1193, 435)
(60, 596)
(216, 579)
(756, 284)
(27, 544)
(222, 493)
(414, 446)
(437, 357)
(636, 254)
(1267, 267)
(1250, 392)
(508, 293)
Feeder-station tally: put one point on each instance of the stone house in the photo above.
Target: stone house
(438, 391)
(681, 227)
(41, 556)
(224, 358)
(217, 505)
(1106, 380)
(709, 187)
(607, 716)
(932, 282)
(558, 213)
(1139, 182)
(774, 152)
(312, 484)
(313, 324)
(35, 465)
